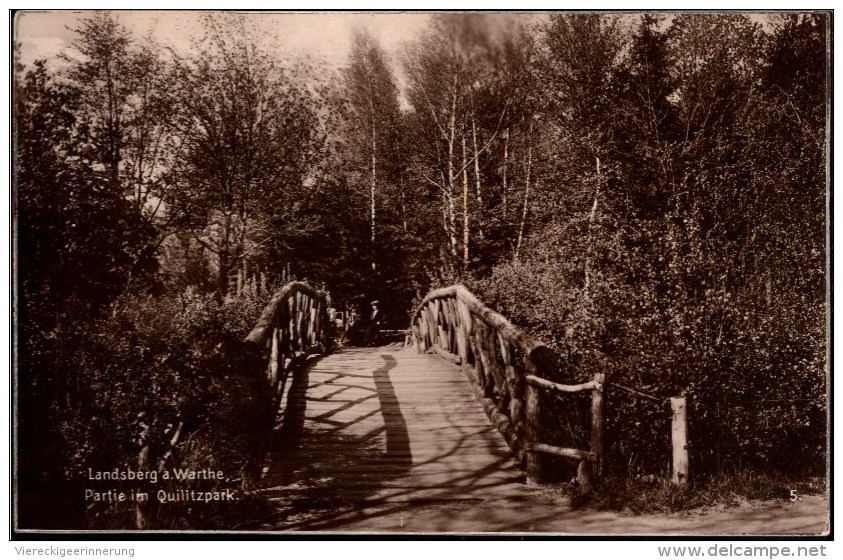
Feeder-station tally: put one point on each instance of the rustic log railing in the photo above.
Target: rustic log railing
(453, 323)
(291, 328)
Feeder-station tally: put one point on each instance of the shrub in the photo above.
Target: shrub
(158, 384)
(753, 375)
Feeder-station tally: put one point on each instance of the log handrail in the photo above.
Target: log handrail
(492, 318)
(290, 329)
(453, 323)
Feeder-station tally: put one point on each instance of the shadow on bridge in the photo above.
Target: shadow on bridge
(327, 451)
(397, 437)
(367, 435)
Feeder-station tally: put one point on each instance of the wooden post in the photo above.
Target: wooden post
(516, 384)
(597, 424)
(679, 437)
(589, 472)
(463, 330)
(487, 358)
(531, 434)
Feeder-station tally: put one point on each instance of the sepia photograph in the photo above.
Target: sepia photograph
(438, 273)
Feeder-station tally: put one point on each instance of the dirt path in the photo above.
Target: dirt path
(532, 513)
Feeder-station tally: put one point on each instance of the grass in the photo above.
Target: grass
(657, 495)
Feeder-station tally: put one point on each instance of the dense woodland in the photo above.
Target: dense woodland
(645, 193)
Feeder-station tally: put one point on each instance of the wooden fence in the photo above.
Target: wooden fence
(291, 328)
(506, 367)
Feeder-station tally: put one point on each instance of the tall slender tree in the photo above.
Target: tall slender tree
(375, 116)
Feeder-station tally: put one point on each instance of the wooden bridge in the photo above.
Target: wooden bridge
(364, 436)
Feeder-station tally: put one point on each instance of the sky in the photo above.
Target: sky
(324, 36)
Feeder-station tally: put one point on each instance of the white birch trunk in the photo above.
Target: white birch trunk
(526, 191)
(591, 218)
(465, 225)
(479, 187)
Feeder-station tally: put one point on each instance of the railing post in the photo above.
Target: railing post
(516, 406)
(597, 423)
(531, 435)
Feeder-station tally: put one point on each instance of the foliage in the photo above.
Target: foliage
(671, 267)
(152, 369)
(648, 494)
(648, 195)
(80, 246)
(248, 140)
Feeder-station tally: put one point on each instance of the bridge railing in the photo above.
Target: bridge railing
(291, 328)
(507, 368)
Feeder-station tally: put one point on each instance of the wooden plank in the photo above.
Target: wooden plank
(391, 426)
(531, 433)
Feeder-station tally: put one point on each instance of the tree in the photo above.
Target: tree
(455, 92)
(79, 240)
(77, 248)
(247, 137)
(125, 101)
(375, 116)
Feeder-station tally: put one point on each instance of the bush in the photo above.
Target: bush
(158, 384)
(753, 374)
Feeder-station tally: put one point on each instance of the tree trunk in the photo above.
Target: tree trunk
(403, 202)
(505, 165)
(465, 231)
(222, 277)
(591, 218)
(451, 178)
(374, 179)
(477, 176)
(526, 190)
(449, 220)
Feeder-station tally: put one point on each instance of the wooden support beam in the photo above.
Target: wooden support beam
(487, 358)
(447, 355)
(466, 326)
(494, 364)
(515, 382)
(566, 452)
(589, 472)
(501, 421)
(550, 385)
(506, 350)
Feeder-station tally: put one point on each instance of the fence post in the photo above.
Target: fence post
(679, 437)
(589, 472)
(597, 423)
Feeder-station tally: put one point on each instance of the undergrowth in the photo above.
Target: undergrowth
(658, 495)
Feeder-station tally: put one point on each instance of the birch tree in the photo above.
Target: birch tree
(375, 116)
(454, 99)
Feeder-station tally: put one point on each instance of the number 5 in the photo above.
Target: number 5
(793, 496)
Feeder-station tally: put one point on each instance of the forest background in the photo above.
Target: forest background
(646, 193)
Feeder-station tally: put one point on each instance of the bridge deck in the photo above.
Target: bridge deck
(387, 440)
(374, 426)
